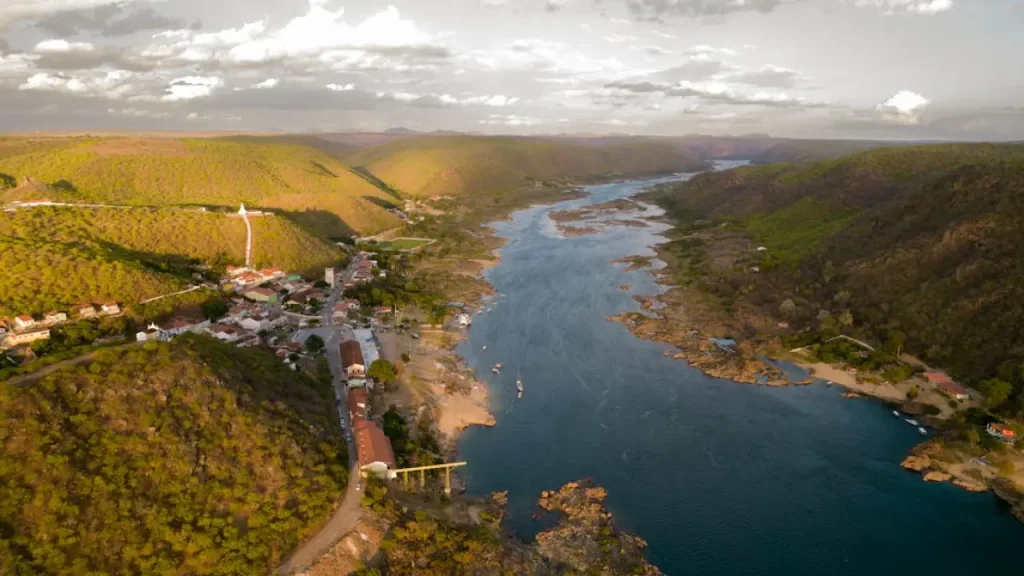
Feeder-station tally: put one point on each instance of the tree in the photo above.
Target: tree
(973, 437)
(787, 308)
(406, 358)
(215, 309)
(314, 344)
(382, 371)
(437, 314)
(996, 392)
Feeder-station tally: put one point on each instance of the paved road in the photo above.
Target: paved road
(348, 513)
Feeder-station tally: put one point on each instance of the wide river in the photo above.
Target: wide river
(718, 477)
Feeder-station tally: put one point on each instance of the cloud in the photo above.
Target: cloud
(767, 76)
(657, 9)
(341, 87)
(716, 93)
(693, 70)
(510, 120)
(555, 5)
(656, 50)
(708, 50)
(113, 84)
(447, 100)
(136, 113)
(618, 38)
(190, 88)
(532, 54)
(266, 84)
(904, 107)
(16, 10)
(110, 19)
(319, 40)
(912, 6)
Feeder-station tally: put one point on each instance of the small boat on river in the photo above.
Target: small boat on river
(911, 421)
(483, 348)
(497, 365)
(896, 413)
(922, 431)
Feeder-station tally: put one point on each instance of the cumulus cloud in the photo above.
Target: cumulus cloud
(617, 38)
(15, 10)
(266, 84)
(341, 87)
(532, 54)
(191, 87)
(510, 120)
(114, 84)
(912, 6)
(716, 93)
(137, 113)
(709, 50)
(904, 107)
(446, 100)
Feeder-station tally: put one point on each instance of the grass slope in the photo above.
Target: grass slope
(317, 189)
(192, 457)
(56, 257)
(922, 242)
(456, 165)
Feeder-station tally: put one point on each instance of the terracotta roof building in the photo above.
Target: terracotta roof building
(358, 404)
(943, 382)
(352, 358)
(374, 448)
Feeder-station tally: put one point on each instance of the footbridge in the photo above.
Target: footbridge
(423, 474)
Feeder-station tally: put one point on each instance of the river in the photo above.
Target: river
(718, 477)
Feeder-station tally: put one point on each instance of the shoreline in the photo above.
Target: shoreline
(696, 332)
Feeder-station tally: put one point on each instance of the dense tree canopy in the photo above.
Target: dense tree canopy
(192, 457)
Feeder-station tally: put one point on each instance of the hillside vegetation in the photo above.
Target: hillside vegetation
(191, 457)
(313, 187)
(56, 257)
(919, 245)
(457, 165)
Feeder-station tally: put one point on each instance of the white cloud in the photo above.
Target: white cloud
(430, 100)
(552, 57)
(341, 87)
(61, 47)
(704, 49)
(113, 84)
(496, 101)
(618, 38)
(510, 120)
(904, 107)
(620, 21)
(267, 84)
(191, 87)
(913, 6)
(136, 113)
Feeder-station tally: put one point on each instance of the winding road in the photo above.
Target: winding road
(348, 513)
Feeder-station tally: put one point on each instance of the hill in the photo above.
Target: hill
(56, 257)
(918, 245)
(458, 165)
(191, 457)
(311, 186)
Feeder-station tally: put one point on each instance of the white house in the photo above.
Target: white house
(374, 449)
(111, 308)
(56, 317)
(464, 320)
(24, 322)
(179, 325)
(224, 332)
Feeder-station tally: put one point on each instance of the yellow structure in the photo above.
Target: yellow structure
(423, 474)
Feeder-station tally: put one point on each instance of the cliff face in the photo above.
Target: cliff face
(1008, 491)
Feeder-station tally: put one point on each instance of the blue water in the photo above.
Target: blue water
(718, 477)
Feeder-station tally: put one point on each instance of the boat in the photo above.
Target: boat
(922, 431)
(495, 370)
(497, 365)
(896, 413)
(519, 386)
(911, 421)
(483, 348)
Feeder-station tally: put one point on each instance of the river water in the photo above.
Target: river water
(718, 477)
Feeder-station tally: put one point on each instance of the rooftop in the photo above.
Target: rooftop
(372, 444)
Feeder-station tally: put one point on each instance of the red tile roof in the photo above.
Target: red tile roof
(372, 444)
(25, 318)
(952, 388)
(357, 396)
(351, 353)
(937, 377)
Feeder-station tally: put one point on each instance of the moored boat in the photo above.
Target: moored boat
(911, 421)
(895, 413)
(922, 431)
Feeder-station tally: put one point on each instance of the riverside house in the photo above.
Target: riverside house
(352, 359)
(24, 322)
(19, 338)
(943, 382)
(358, 404)
(1001, 432)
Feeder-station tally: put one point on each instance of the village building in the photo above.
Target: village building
(367, 345)
(1001, 432)
(358, 404)
(464, 320)
(271, 273)
(56, 317)
(235, 270)
(150, 336)
(225, 332)
(352, 359)
(87, 311)
(111, 308)
(19, 338)
(261, 295)
(943, 382)
(24, 322)
(374, 449)
(356, 383)
(178, 325)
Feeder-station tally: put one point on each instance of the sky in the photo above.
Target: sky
(881, 69)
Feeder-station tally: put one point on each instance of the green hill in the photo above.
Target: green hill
(923, 243)
(54, 258)
(456, 165)
(313, 187)
(192, 457)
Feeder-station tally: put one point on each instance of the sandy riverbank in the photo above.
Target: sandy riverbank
(435, 379)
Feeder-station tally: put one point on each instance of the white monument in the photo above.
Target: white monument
(329, 276)
(248, 236)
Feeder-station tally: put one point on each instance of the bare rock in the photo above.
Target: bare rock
(916, 463)
(937, 476)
